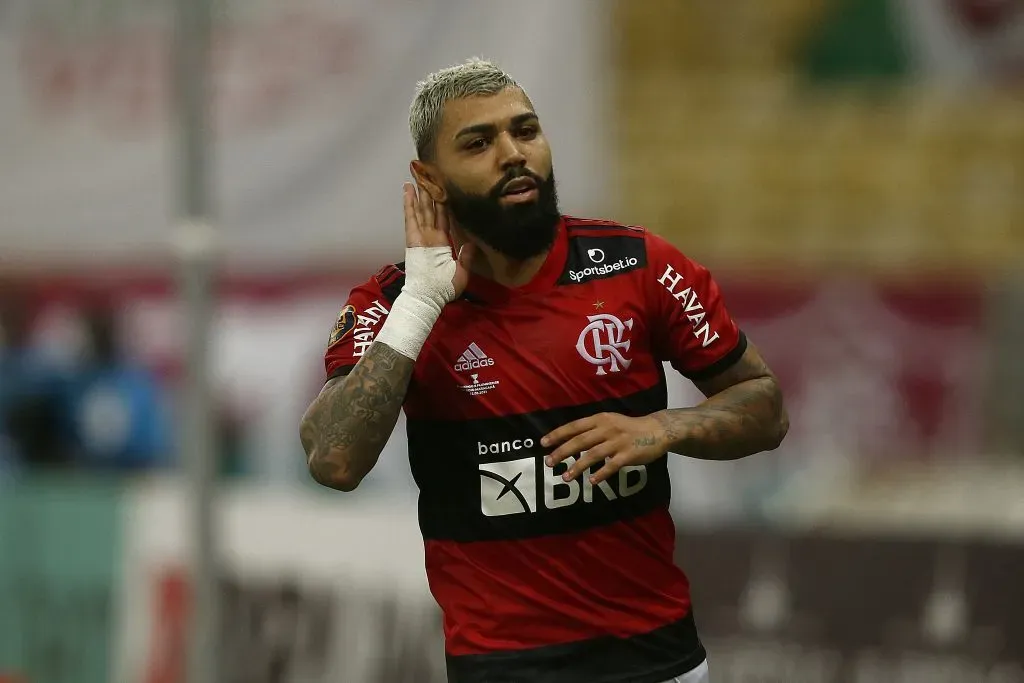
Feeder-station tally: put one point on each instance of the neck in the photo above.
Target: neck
(503, 270)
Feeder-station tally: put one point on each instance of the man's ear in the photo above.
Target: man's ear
(427, 178)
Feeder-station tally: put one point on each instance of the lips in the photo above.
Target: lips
(518, 186)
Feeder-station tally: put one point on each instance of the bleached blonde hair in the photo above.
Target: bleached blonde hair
(473, 77)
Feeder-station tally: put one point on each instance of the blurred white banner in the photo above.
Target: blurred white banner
(311, 106)
(903, 368)
(315, 589)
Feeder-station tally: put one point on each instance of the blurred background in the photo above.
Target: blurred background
(851, 170)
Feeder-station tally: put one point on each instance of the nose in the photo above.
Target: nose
(510, 152)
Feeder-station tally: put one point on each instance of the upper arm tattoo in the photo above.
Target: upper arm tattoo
(743, 414)
(353, 416)
(750, 366)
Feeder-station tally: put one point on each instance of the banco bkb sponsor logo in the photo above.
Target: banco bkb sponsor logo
(499, 447)
(525, 485)
(508, 488)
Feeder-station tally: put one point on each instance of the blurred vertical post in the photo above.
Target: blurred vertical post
(1006, 328)
(196, 253)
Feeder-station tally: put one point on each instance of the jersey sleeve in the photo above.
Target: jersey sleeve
(691, 327)
(360, 319)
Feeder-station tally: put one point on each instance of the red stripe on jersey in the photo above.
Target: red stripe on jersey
(388, 275)
(501, 596)
(611, 231)
(573, 221)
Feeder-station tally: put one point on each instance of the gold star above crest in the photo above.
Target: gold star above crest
(598, 305)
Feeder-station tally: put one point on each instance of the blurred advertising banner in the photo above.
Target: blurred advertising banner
(311, 106)
(315, 588)
(871, 607)
(872, 371)
(331, 588)
(873, 368)
(59, 568)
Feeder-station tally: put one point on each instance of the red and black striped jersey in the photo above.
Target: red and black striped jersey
(539, 579)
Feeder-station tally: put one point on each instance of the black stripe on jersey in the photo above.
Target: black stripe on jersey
(572, 224)
(723, 363)
(340, 372)
(486, 479)
(392, 285)
(593, 257)
(386, 273)
(660, 655)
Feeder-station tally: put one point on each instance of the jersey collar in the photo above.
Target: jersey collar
(488, 290)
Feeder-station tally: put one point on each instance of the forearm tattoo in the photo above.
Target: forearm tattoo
(743, 415)
(345, 429)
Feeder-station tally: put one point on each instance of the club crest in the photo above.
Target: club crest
(346, 323)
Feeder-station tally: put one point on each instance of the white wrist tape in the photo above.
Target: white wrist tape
(428, 288)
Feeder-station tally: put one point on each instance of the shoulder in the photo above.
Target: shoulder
(600, 227)
(604, 228)
(634, 238)
(389, 280)
(601, 249)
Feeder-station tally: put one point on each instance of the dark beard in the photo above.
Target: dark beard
(517, 231)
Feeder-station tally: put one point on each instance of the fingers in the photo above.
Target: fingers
(577, 444)
(609, 441)
(611, 467)
(567, 431)
(457, 234)
(412, 229)
(426, 223)
(588, 459)
(442, 218)
(466, 253)
(425, 210)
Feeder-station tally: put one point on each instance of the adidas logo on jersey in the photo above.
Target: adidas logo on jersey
(473, 358)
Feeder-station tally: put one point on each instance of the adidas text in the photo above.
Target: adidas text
(473, 358)
(463, 365)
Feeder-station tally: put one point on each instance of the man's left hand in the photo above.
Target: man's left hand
(611, 438)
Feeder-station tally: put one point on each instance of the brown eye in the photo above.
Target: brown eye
(476, 144)
(528, 132)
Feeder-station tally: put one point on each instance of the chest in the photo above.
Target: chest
(571, 345)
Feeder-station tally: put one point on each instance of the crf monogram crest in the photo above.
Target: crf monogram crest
(603, 343)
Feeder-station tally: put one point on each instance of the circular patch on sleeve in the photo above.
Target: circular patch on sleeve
(346, 323)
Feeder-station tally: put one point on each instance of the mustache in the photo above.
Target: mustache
(513, 174)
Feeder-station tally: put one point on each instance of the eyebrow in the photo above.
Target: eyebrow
(490, 128)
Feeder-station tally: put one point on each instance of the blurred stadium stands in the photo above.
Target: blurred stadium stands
(740, 152)
(853, 175)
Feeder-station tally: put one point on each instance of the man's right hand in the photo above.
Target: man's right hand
(427, 227)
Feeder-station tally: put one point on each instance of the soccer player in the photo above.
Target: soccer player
(527, 350)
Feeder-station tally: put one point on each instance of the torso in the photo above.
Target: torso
(506, 538)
